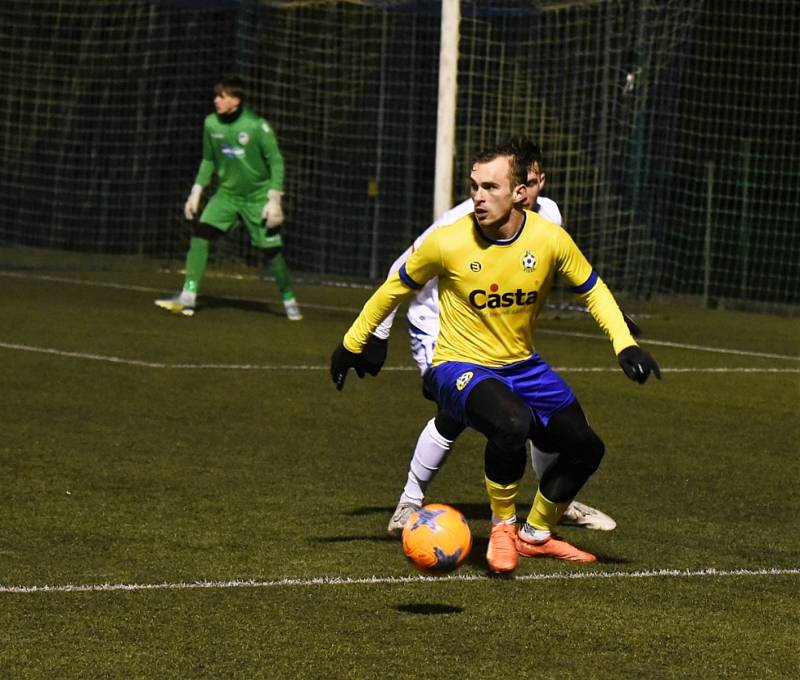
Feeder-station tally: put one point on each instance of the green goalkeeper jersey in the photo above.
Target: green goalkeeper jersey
(244, 153)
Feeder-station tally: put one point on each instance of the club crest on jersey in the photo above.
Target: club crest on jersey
(528, 262)
(463, 380)
(243, 138)
(475, 266)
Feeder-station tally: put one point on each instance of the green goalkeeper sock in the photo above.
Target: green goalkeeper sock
(196, 260)
(280, 271)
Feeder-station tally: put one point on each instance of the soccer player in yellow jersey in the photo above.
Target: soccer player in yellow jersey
(439, 434)
(496, 267)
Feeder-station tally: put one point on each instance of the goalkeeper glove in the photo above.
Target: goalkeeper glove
(342, 360)
(272, 212)
(638, 364)
(193, 202)
(374, 354)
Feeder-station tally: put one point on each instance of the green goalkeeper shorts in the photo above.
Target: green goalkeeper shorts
(224, 212)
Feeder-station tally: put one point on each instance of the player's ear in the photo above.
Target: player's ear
(542, 179)
(519, 194)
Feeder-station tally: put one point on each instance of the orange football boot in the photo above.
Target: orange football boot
(555, 548)
(502, 553)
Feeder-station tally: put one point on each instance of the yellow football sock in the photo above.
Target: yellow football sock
(501, 499)
(544, 514)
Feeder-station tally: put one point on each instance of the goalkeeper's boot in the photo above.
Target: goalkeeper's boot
(550, 547)
(182, 303)
(502, 554)
(581, 515)
(401, 514)
(293, 312)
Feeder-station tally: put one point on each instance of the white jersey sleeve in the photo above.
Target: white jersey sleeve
(385, 327)
(548, 209)
(423, 310)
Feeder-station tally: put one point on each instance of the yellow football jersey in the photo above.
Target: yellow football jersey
(491, 292)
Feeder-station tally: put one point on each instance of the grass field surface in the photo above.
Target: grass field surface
(191, 497)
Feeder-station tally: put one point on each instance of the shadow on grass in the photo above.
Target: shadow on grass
(472, 511)
(603, 559)
(372, 538)
(212, 302)
(429, 609)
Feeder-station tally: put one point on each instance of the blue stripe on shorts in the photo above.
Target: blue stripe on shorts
(532, 380)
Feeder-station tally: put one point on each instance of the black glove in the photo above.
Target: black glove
(374, 354)
(638, 364)
(633, 327)
(342, 360)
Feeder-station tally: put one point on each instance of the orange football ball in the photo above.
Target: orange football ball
(437, 539)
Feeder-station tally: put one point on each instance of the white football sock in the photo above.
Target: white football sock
(188, 298)
(429, 455)
(533, 534)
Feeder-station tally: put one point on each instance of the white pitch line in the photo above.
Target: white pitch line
(394, 580)
(677, 345)
(335, 308)
(322, 367)
(150, 289)
(718, 369)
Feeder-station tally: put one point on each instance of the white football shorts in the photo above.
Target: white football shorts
(422, 345)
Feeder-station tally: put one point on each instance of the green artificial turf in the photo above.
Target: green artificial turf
(160, 452)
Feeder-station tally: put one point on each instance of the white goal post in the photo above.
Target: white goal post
(446, 110)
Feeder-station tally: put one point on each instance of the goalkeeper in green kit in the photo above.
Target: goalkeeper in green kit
(241, 148)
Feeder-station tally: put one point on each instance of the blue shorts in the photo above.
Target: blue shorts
(532, 380)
